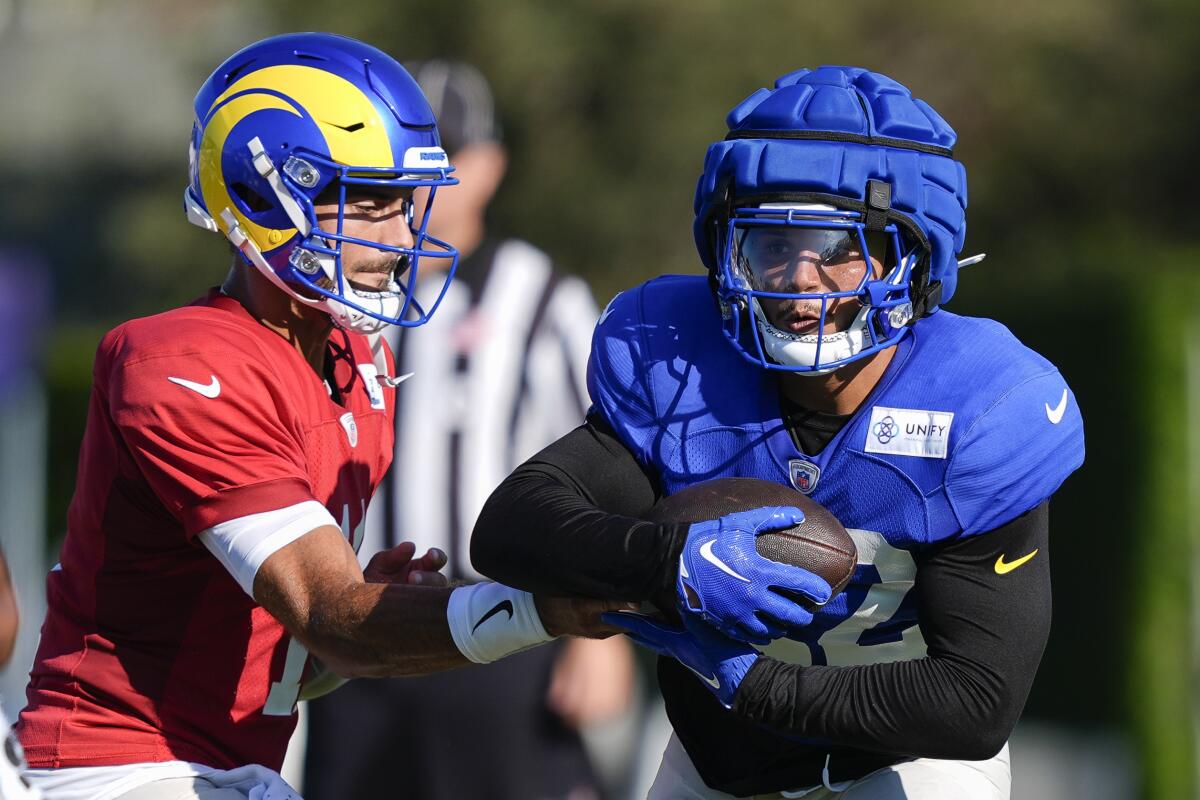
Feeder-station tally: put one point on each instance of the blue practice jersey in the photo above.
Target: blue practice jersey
(967, 430)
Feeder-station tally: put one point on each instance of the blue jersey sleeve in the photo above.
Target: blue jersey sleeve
(1016, 454)
(618, 375)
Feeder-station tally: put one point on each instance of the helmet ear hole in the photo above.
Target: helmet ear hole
(250, 198)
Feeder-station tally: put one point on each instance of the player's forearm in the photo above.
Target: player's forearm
(378, 630)
(985, 630)
(380, 627)
(540, 535)
(926, 708)
(567, 521)
(381, 630)
(316, 589)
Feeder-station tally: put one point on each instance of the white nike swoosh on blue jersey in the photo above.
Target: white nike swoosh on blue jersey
(1055, 414)
(708, 555)
(607, 310)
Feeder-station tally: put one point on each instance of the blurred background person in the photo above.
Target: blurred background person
(498, 374)
(24, 318)
(13, 785)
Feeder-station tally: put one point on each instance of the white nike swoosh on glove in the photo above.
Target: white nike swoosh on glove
(708, 555)
(713, 682)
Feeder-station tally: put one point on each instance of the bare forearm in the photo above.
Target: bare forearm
(393, 629)
(357, 627)
(382, 630)
(378, 624)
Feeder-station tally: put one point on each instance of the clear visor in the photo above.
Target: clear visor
(793, 260)
(808, 287)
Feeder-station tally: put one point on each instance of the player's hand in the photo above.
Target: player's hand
(719, 662)
(578, 616)
(723, 579)
(397, 565)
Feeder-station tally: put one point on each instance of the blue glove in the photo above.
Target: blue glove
(723, 579)
(719, 662)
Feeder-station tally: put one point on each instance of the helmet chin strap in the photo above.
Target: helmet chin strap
(800, 350)
(387, 303)
(343, 315)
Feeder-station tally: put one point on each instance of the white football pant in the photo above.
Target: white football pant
(916, 779)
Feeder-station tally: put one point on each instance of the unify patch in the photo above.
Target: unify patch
(909, 432)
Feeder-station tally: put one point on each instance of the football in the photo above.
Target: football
(820, 544)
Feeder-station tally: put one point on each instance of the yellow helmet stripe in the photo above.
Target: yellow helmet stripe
(334, 102)
(212, 181)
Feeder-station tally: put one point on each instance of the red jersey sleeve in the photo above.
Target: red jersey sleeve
(213, 433)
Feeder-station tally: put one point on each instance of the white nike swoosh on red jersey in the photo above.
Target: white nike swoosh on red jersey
(209, 390)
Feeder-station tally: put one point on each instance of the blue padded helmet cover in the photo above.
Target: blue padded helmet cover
(825, 133)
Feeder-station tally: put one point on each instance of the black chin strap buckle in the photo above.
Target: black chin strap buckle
(926, 293)
(879, 203)
(928, 299)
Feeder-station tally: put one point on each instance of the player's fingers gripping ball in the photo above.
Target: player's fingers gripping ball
(724, 580)
(752, 566)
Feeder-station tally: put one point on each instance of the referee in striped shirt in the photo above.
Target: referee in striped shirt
(497, 374)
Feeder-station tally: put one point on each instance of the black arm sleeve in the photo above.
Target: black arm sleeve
(567, 522)
(985, 628)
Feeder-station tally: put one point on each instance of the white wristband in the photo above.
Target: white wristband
(490, 621)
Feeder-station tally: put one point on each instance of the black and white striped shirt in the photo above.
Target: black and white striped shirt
(499, 372)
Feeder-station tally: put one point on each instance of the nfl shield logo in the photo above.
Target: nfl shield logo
(805, 475)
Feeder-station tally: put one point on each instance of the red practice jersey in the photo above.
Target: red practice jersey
(150, 650)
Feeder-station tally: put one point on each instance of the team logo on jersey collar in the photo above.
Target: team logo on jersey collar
(804, 474)
(370, 378)
(909, 432)
(351, 427)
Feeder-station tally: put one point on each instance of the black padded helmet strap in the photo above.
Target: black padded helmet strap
(879, 203)
(926, 295)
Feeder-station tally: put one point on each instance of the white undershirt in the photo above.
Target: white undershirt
(243, 544)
